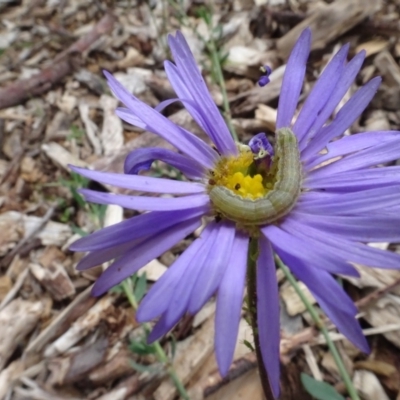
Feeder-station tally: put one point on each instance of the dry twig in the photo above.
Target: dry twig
(63, 65)
(8, 258)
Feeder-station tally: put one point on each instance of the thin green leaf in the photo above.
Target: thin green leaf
(248, 345)
(173, 347)
(141, 347)
(79, 231)
(319, 390)
(141, 368)
(140, 287)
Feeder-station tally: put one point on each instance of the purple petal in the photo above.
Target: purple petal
(341, 248)
(164, 104)
(349, 203)
(268, 313)
(379, 154)
(179, 302)
(353, 181)
(229, 304)
(141, 183)
(212, 272)
(160, 329)
(260, 144)
(342, 86)
(140, 255)
(159, 296)
(155, 122)
(344, 118)
(263, 81)
(293, 80)
(126, 115)
(141, 159)
(352, 144)
(197, 110)
(189, 73)
(371, 228)
(306, 197)
(182, 90)
(134, 228)
(333, 300)
(184, 292)
(295, 246)
(145, 203)
(101, 256)
(320, 93)
(188, 103)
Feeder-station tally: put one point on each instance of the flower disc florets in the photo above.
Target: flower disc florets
(252, 189)
(240, 175)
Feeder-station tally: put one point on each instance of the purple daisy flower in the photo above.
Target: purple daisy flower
(330, 210)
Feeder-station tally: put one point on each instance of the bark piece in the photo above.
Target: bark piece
(117, 367)
(190, 357)
(378, 367)
(111, 135)
(91, 128)
(154, 270)
(61, 157)
(64, 64)
(15, 289)
(30, 232)
(76, 365)
(5, 286)
(389, 68)
(312, 363)
(30, 171)
(375, 277)
(369, 386)
(328, 362)
(17, 321)
(293, 303)
(268, 115)
(246, 387)
(329, 22)
(385, 312)
(131, 59)
(8, 377)
(373, 46)
(54, 279)
(258, 95)
(134, 384)
(79, 306)
(15, 226)
(33, 391)
(80, 328)
(212, 381)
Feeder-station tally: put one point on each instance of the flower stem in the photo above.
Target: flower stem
(159, 351)
(212, 48)
(252, 307)
(321, 326)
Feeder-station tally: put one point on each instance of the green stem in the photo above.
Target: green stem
(127, 287)
(221, 82)
(161, 356)
(252, 307)
(178, 384)
(321, 326)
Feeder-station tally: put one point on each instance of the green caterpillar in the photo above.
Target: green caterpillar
(277, 202)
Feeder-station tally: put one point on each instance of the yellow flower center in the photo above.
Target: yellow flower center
(254, 191)
(239, 174)
(246, 185)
